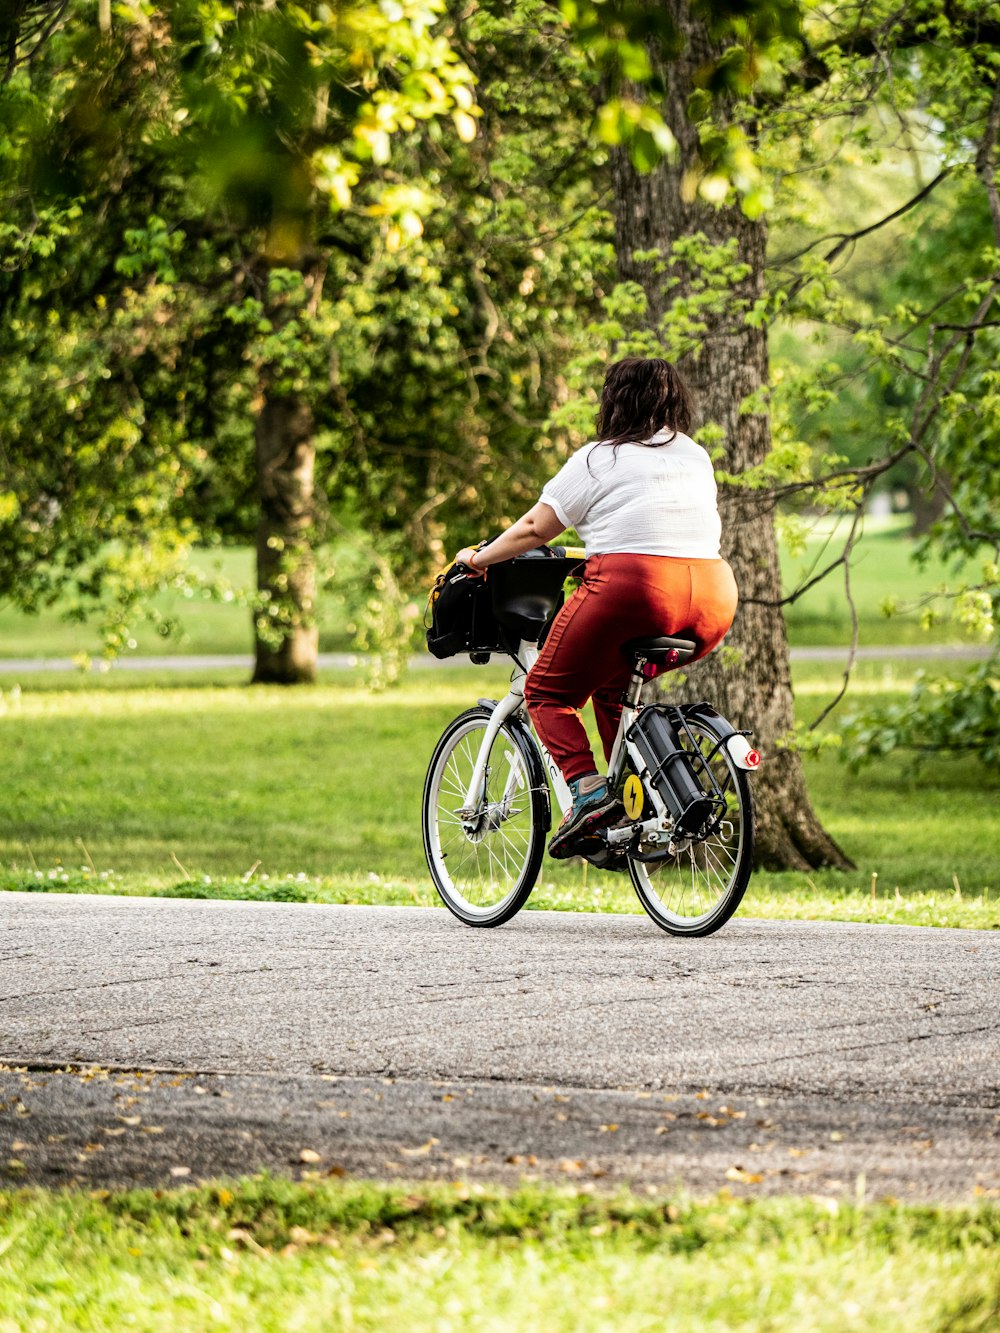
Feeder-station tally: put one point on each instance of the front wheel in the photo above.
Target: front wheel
(697, 890)
(484, 858)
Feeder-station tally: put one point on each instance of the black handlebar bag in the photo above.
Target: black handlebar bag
(516, 601)
(461, 613)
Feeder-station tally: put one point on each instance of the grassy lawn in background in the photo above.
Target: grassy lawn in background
(270, 1254)
(130, 784)
(882, 565)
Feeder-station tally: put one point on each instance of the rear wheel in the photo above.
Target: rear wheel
(697, 890)
(484, 860)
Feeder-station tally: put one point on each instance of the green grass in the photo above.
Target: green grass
(273, 1255)
(882, 564)
(122, 784)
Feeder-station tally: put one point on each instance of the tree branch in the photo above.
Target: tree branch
(801, 590)
(845, 238)
(852, 651)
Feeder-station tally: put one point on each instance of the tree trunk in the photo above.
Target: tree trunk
(729, 362)
(285, 633)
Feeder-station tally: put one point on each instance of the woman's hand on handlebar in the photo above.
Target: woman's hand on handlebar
(464, 557)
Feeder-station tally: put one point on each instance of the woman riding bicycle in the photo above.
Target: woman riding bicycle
(643, 499)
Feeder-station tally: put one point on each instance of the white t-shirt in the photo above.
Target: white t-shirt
(639, 499)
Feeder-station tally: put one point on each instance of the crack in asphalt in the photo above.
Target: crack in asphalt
(82, 986)
(903, 1039)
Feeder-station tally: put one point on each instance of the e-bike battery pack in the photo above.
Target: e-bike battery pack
(671, 771)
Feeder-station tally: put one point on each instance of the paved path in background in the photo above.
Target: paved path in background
(423, 661)
(825, 1058)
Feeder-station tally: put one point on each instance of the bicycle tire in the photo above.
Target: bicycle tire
(495, 858)
(710, 876)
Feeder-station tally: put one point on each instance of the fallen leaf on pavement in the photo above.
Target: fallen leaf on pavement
(744, 1177)
(422, 1151)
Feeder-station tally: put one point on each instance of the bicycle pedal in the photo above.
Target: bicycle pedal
(606, 860)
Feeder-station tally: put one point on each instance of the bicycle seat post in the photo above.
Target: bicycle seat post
(633, 694)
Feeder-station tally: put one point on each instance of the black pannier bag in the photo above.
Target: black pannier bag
(461, 615)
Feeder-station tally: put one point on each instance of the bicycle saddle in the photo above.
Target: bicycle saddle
(664, 649)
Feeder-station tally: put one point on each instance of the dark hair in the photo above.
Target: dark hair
(641, 396)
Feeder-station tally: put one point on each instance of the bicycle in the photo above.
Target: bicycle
(681, 772)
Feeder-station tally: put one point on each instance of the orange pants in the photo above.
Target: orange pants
(621, 598)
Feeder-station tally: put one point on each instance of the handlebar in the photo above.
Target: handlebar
(572, 553)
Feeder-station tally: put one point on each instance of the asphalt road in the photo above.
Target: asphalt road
(153, 1041)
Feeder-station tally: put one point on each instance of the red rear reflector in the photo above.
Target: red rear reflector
(752, 759)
